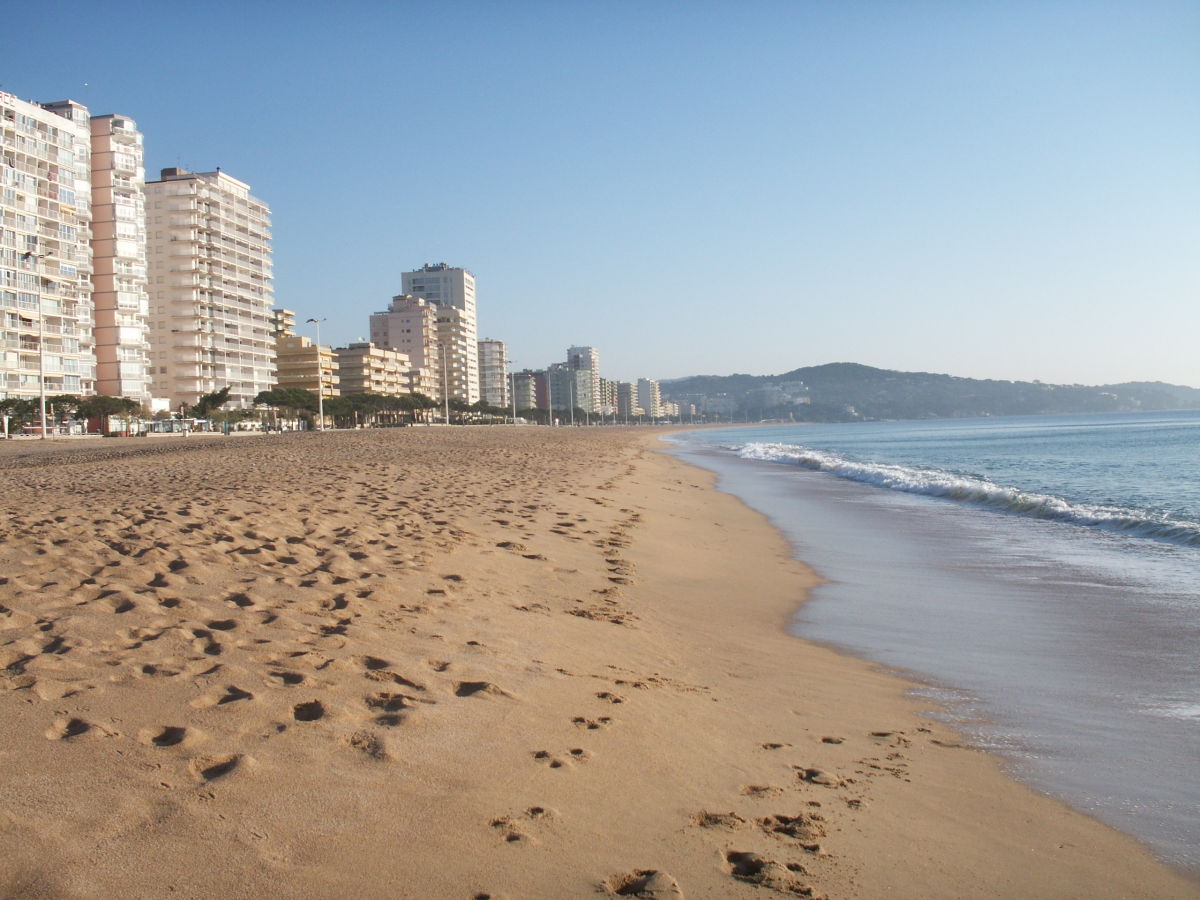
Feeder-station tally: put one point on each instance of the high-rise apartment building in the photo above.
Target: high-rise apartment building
(493, 373)
(648, 397)
(570, 389)
(627, 399)
(452, 290)
(210, 287)
(587, 359)
(608, 397)
(119, 294)
(45, 250)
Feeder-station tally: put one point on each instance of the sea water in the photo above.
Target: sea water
(1040, 575)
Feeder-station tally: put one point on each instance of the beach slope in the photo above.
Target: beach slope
(464, 663)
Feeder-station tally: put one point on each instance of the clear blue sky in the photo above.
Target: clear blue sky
(988, 189)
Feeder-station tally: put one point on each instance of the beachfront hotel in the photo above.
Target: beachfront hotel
(452, 291)
(209, 251)
(45, 249)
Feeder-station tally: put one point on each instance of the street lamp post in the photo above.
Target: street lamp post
(512, 392)
(445, 386)
(320, 377)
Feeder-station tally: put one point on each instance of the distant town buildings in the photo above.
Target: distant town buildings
(161, 292)
(210, 288)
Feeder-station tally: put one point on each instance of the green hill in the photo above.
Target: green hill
(842, 392)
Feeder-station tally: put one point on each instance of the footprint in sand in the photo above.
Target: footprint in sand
(65, 728)
(804, 828)
(312, 711)
(760, 791)
(649, 884)
(210, 768)
(575, 754)
(288, 678)
(513, 828)
(728, 821)
(368, 743)
(768, 873)
(231, 694)
(163, 735)
(484, 689)
(819, 776)
(592, 724)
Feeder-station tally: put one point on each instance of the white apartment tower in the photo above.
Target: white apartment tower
(210, 287)
(649, 397)
(122, 305)
(45, 250)
(452, 290)
(493, 373)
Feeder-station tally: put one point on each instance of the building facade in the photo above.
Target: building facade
(452, 290)
(364, 368)
(493, 373)
(410, 325)
(587, 359)
(525, 390)
(299, 363)
(627, 400)
(649, 398)
(46, 309)
(119, 273)
(209, 251)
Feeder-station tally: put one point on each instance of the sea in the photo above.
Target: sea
(1038, 576)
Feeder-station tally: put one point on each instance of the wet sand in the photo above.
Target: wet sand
(464, 663)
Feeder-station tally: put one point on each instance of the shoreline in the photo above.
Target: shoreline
(466, 664)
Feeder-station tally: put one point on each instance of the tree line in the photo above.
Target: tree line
(346, 411)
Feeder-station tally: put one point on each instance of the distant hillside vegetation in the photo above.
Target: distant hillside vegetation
(843, 392)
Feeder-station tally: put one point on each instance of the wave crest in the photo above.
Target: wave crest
(980, 492)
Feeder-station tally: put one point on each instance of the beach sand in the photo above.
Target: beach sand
(464, 663)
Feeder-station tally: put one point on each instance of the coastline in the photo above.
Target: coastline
(479, 662)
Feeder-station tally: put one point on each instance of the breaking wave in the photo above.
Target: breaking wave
(981, 492)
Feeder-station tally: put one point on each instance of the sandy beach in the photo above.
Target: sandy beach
(464, 663)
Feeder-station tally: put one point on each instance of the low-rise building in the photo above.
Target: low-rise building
(364, 368)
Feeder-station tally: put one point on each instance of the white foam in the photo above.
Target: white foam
(980, 491)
